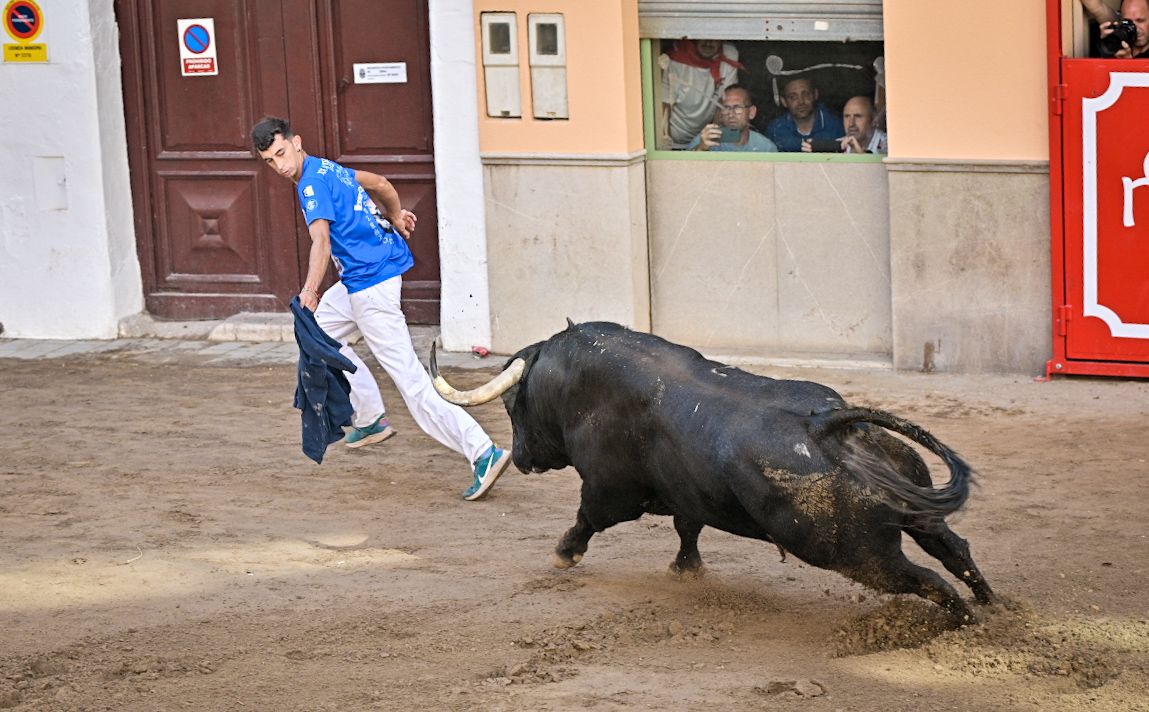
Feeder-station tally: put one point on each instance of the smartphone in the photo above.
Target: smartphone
(730, 135)
(825, 145)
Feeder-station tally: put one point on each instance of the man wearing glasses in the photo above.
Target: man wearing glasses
(805, 118)
(734, 132)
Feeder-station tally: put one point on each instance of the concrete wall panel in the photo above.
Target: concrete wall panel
(971, 268)
(771, 258)
(565, 241)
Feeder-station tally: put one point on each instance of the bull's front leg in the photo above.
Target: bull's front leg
(689, 561)
(573, 544)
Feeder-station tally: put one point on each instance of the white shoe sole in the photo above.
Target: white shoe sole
(372, 439)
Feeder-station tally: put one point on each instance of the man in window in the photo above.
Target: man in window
(805, 117)
(695, 73)
(861, 135)
(1122, 44)
(734, 132)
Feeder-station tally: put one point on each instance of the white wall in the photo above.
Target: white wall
(465, 297)
(68, 266)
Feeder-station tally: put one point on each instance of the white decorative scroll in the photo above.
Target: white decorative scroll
(1130, 184)
(1090, 108)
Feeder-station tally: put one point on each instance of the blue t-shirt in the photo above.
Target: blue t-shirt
(783, 130)
(365, 251)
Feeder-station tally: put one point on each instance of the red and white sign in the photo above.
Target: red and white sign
(1106, 211)
(197, 47)
(23, 20)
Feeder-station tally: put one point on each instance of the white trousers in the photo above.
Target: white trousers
(376, 314)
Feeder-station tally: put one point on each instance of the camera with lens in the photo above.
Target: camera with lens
(1123, 31)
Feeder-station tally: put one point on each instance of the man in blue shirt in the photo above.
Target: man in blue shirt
(805, 118)
(371, 254)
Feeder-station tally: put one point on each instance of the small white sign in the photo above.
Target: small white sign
(380, 73)
(197, 47)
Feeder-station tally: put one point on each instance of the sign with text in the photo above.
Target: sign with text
(1106, 159)
(380, 73)
(197, 47)
(24, 25)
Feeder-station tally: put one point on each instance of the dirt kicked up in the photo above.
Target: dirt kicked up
(166, 546)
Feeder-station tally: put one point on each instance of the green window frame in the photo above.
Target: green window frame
(649, 117)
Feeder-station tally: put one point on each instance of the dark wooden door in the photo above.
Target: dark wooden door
(385, 128)
(217, 232)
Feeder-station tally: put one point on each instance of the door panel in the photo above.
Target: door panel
(386, 128)
(199, 211)
(1106, 151)
(383, 122)
(205, 214)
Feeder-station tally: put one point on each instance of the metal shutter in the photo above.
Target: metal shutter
(827, 20)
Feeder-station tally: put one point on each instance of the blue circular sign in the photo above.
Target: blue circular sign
(196, 39)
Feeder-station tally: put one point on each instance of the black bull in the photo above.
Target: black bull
(654, 427)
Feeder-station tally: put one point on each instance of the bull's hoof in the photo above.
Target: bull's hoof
(563, 561)
(962, 615)
(686, 573)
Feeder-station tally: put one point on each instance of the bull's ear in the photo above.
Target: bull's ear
(570, 324)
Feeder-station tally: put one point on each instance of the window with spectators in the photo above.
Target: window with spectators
(753, 77)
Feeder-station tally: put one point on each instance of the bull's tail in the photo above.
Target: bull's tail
(932, 502)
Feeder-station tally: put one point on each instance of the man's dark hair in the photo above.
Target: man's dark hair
(742, 87)
(796, 77)
(263, 134)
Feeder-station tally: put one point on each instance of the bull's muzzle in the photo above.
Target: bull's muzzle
(489, 391)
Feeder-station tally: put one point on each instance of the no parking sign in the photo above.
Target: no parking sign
(24, 24)
(197, 47)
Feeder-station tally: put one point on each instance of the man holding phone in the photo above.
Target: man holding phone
(734, 132)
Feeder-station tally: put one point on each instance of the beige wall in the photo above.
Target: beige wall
(967, 80)
(603, 81)
(565, 239)
(970, 267)
(566, 199)
(943, 263)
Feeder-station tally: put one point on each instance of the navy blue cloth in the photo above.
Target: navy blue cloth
(323, 394)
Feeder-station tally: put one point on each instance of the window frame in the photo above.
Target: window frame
(650, 114)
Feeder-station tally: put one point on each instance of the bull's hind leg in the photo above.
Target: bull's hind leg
(894, 573)
(574, 542)
(953, 551)
(689, 561)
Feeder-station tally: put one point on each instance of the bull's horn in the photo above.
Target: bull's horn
(487, 392)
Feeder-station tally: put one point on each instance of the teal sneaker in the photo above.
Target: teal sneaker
(487, 469)
(377, 432)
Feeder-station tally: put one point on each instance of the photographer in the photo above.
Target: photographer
(1124, 35)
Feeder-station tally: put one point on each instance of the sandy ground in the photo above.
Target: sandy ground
(167, 546)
